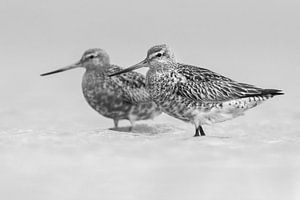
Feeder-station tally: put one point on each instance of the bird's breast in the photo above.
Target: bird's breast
(162, 89)
(162, 84)
(103, 95)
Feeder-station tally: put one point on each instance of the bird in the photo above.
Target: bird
(113, 97)
(194, 94)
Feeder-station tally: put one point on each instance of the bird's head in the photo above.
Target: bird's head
(156, 56)
(159, 54)
(91, 59)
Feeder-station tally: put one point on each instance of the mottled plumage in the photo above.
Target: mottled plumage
(195, 94)
(113, 97)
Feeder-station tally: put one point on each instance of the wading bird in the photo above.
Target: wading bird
(195, 94)
(113, 97)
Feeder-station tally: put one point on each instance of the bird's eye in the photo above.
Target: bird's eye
(158, 55)
(91, 56)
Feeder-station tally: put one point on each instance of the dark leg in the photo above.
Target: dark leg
(116, 121)
(196, 133)
(201, 131)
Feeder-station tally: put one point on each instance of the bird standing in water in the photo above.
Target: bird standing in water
(195, 94)
(113, 97)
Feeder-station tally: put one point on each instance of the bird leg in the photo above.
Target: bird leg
(199, 129)
(132, 122)
(116, 121)
(196, 133)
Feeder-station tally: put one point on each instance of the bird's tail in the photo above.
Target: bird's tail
(271, 92)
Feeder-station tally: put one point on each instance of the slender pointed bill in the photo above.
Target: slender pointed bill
(63, 69)
(134, 67)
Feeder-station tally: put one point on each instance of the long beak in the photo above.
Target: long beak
(134, 67)
(63, 69)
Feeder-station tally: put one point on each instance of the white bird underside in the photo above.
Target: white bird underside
(200, 114)
(228, 110)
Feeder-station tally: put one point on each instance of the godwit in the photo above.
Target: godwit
(113, 97)
(195, 94)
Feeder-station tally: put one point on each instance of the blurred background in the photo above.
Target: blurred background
(51, 139)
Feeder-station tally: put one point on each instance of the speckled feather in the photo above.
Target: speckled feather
(201, 84)
(133, 85)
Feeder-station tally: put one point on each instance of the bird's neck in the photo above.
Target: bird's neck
(97, 68)
(156, 71)
(162, 67)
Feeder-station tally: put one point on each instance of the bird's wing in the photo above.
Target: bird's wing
(132, 85)
(201, 84)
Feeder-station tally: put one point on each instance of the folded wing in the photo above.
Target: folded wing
(132, 85)
(201, 84)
